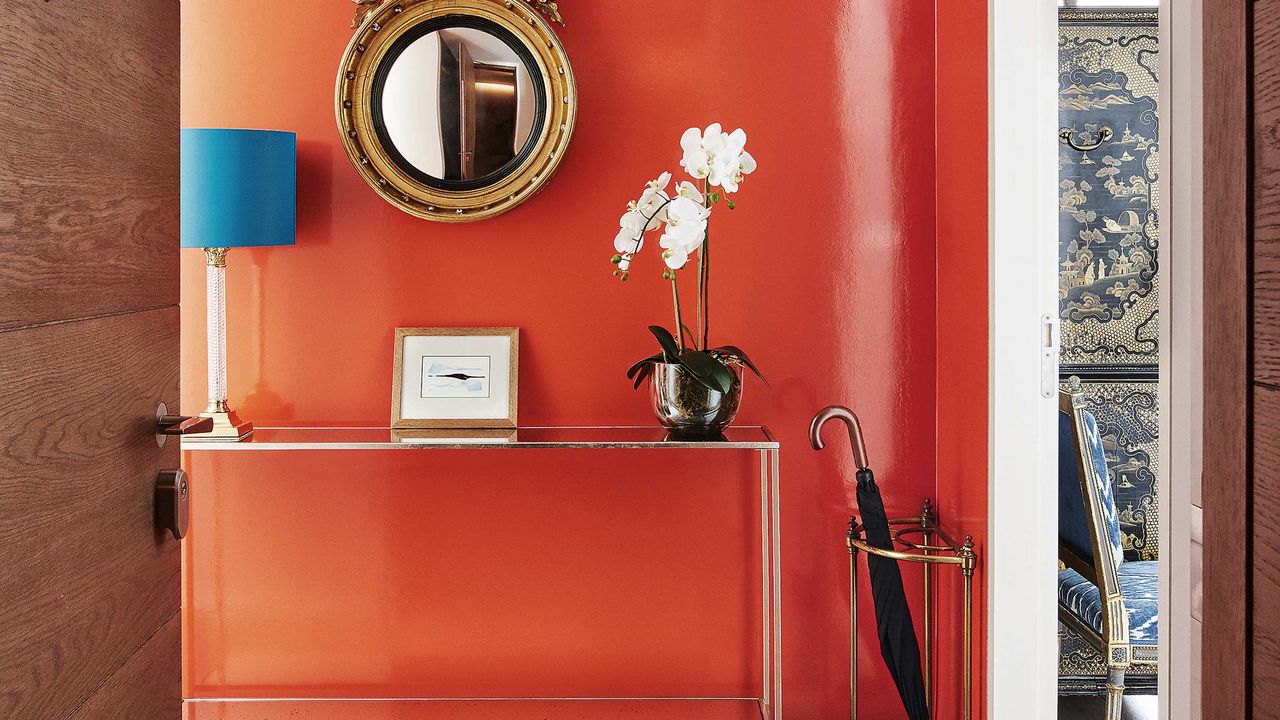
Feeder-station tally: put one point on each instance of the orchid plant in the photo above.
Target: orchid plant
(717, 162)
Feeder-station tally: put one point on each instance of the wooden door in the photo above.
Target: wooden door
(1265, 371)
(1242, 360)
(89, 589)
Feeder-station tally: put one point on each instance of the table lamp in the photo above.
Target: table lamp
(239, 189)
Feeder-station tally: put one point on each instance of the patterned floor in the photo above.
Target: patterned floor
(1088, 708)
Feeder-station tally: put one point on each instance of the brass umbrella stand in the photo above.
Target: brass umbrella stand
(921, 541)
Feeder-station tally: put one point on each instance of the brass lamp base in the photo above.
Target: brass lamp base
(227, 427)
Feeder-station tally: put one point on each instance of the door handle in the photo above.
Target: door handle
(182, 425)
(173, 513)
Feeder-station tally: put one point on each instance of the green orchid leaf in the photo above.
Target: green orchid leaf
(689, 332)
(709, 371)
(737, 353)
(668, 343)
(642, 364)
(643, 375)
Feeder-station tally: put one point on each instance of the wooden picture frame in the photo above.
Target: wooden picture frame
(464, 378)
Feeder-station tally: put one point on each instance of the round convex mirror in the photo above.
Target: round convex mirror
(455, 109)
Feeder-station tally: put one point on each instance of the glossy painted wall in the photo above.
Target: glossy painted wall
(839, 282)
(962, 201)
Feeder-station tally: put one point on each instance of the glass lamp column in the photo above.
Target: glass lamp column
(226, 424)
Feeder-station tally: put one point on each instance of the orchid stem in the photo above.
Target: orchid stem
(706, 289)
(701, 277)
(704, 277)
(648, 220)
(675, 295)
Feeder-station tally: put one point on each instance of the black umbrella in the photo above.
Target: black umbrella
(898, 643)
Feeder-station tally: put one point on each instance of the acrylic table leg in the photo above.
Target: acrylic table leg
(853, 633)
(775, 540)
(766, 634)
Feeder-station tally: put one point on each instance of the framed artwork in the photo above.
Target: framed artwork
(455, 378)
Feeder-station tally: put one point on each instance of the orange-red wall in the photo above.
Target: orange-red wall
(853, 270)
(962, 309)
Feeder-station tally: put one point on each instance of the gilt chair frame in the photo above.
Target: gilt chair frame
(1103, 571)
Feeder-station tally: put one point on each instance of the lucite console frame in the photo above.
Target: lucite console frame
(755, 439)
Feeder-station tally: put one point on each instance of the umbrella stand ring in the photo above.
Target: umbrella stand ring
(905, 555)
(912, 527)
(927, 555)
(925, 533)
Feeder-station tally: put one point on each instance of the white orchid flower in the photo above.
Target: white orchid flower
(736, 141)
(652, 205)
(684, 212)
(696, 161)
(661, 183)
(686, 226)
(627, 242)
(724, 174)
(719, 157)
(652, 202)
(630, 237)
(675, 258)
(690, 191)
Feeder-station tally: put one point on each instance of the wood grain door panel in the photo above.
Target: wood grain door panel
(87, 579)
(1225, 692)
(1266, 192)
(119, 697)
(89, 230)
(1266, 544)
(1265, 285)
(89, 106)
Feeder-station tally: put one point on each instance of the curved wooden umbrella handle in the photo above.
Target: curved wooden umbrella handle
(845, 415)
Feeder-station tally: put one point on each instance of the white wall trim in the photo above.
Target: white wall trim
(1181, 346)
(1022, 547)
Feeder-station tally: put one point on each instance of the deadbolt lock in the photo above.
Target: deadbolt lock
(173, 512)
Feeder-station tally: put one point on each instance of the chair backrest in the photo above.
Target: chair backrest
(1088, 525)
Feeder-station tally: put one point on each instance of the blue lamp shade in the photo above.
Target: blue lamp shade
(239, 188)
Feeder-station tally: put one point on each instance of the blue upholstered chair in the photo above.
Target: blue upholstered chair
(1111, 603)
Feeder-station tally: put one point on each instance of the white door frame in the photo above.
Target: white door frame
(1022, 549)
(1181, 346)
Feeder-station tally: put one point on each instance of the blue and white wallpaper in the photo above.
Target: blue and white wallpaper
(1109, 192)
(1109, 272)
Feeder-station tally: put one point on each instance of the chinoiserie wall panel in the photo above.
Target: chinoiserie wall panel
(89, 211)
(1110, 278)
(87, 579)
(829, 274)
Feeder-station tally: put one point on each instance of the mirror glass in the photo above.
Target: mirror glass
(457, 107)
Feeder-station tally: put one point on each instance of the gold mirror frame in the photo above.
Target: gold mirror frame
(378, 29)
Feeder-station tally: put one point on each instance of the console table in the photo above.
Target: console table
(755, 439)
